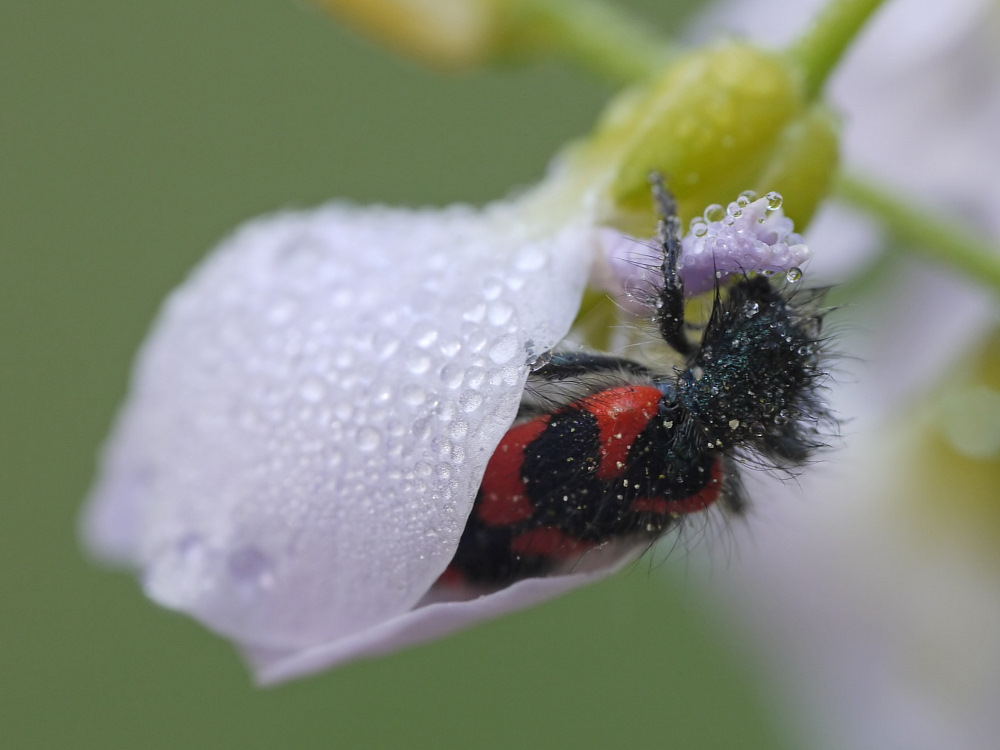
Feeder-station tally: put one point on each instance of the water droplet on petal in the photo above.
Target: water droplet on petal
(251, 569)
(452, 375)
(413, 394)
(474, 376)
(774, 201)
(492, 288)
(714, 212)
(503, 348)
(312, 389)
(500, 312)
(368, 438)
(469, 401)
(540, 361)
(793, 274)
(417, 362)
(424, 335)
(450, 346)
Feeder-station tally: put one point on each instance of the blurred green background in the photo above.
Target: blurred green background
(133, 136)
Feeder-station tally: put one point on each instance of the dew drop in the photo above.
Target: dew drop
(452, 375)
(751, 308)
(191, 550)
(735, 210)
(500, 312)
(475, 313)
(510, 375)
(445, 411)
(413, 394)
(774, 201)
(503, 348)
(312, 389)
(251, 570)
(450, 346)
(421, 428)
(531, 259)
(441, 446)
(280, 312)
(424, 336)
(492, 289)
(793, 274)
(368, 438)
(475, 339)
(458, 430)
(714, 212)
(469, 401)
(474, 376)
(417, 362)
(540, 361)
(385, 345)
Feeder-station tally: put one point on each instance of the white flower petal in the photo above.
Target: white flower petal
(419, 625)
(311, 416)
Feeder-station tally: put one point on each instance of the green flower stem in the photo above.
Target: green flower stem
(608, 40)
(593, 34)
(820, 48)
(934, 236)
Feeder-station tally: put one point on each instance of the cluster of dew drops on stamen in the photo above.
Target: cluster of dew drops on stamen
(715, 213)
(728, 215)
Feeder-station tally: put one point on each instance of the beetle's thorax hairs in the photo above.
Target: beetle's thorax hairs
(755, 374)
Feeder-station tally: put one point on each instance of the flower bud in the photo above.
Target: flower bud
(716, 122)
(449, 34)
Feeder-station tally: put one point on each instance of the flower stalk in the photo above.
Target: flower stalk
(592, 34)
(935, 236)
(820, 49)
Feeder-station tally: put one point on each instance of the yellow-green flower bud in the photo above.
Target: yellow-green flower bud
(957, 461)
(716, 122)
(449, 34)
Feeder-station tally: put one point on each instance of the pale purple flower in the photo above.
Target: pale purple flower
(750, 235)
